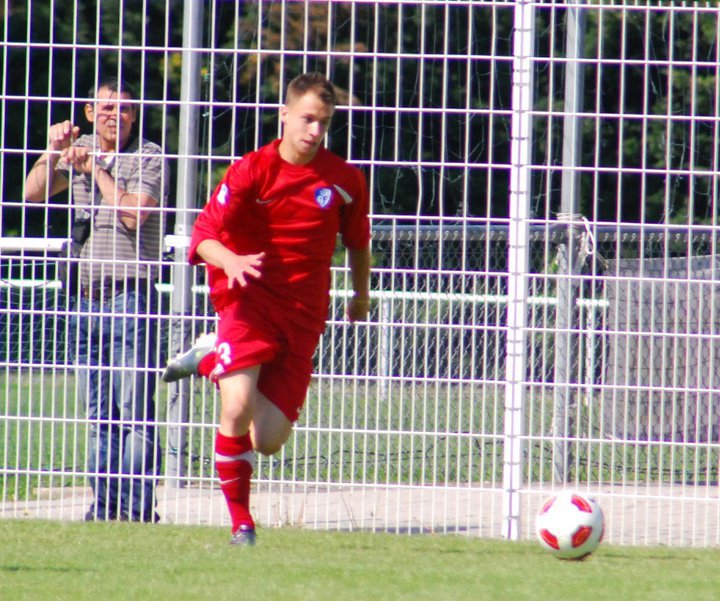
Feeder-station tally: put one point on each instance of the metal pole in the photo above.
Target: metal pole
(518, 263)
(181, 295)
(566, 341)
(385, 347)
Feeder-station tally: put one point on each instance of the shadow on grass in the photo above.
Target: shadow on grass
(21, 568)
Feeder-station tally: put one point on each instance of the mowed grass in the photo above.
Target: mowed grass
(55, 561)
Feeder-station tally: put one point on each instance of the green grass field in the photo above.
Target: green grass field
(58, 561)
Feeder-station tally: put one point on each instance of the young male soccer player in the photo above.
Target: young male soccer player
(267, 236)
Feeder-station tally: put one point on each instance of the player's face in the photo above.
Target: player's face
(305, 122)
(113, 119)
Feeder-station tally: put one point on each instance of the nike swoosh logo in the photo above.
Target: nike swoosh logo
(260, 201)
(346, 197)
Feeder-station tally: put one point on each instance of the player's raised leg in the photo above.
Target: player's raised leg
(193, 362)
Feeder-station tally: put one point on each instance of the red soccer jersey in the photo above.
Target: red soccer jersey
(292, 213)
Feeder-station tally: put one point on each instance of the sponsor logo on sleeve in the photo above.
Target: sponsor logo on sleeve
(222, 194)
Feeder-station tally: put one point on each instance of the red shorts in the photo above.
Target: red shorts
(259, 333)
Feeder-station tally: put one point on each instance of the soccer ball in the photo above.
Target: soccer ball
(570, 525)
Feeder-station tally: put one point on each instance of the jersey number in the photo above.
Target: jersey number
(223, 353)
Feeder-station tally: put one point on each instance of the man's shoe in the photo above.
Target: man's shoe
(94, 515)
(151, 518)
(186, 364)
(243, 537)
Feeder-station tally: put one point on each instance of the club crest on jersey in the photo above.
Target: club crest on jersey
(323, 196)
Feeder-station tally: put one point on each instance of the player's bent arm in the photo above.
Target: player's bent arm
(213, 252)
(359, 305)
(359, 260)
(237, 267)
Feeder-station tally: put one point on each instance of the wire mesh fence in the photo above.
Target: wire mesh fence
(415, 397)
(544, 278)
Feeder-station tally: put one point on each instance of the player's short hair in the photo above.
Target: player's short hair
(114, 84)
(312, 82)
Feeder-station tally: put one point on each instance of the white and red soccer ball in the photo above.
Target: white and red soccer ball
(570, 525)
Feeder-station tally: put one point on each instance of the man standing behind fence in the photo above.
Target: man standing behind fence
(118, 187)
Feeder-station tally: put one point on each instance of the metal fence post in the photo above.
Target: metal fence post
(181, 303)
(518, 265)
(566, 340)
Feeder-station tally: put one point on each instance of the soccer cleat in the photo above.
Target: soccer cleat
(186, 364)
(244, 536)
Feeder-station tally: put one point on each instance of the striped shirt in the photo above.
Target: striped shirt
(114, 251)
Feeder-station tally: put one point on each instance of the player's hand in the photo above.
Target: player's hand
(243, 266)
(62, 135)
(357, 309)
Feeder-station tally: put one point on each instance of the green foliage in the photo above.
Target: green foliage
(655, 111)
(90, 40)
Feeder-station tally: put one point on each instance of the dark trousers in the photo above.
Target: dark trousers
(115, 344)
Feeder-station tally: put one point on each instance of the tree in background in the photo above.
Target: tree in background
(378, 68)
(48, 84)
(656, 115)
(436, 76)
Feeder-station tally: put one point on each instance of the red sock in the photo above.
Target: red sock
(234, 462)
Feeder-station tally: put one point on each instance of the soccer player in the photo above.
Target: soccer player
(267, 236)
